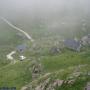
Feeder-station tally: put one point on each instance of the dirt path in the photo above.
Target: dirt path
(18, 29)
(9, 56)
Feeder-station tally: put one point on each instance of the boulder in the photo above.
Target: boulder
(55, 50)
(86, 40)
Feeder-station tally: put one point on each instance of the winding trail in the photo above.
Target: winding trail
(9, 56)
(18, 29)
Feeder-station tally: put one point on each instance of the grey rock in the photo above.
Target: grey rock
(87, 86)
(73, 44)
(55, 50)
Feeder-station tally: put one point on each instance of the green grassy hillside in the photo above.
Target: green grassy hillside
(18, 74)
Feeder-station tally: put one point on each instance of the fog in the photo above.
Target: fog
(55, 14)
(45, 7)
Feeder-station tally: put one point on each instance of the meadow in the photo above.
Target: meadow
(18, 74)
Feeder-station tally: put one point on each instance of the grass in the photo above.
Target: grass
(18, 75)
(15, 75)
(67, 59)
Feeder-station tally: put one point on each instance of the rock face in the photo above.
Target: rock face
(36, 69)
(86, 40)
(87, 86)
(73, 44)
(48, 85)
(58, 83)
(44, 85)
(50, 82)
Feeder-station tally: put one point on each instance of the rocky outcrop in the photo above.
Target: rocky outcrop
(54, 50)
(50, 81)
(87, 86)
(86, 40)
